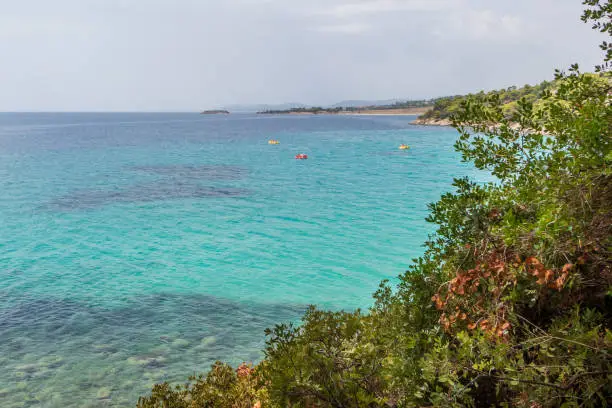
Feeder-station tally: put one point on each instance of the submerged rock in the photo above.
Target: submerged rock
(180, 343)
(22, 374)
(147, 360)
(208, 341)
(155, 375)
(51, 361)
(105, 348)
(28, 368)
(21, 385)
(103, 393)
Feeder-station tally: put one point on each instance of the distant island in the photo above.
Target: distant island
(215, 112)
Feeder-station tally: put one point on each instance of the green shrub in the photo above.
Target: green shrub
(223, 386)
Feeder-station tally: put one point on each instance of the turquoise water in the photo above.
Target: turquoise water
(137, 248)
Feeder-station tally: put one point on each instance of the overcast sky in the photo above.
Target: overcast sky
(186, 55)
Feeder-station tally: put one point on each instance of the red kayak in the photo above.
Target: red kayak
(301, 156)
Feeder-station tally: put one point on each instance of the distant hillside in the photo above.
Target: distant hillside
(351, 103)
(398, 107)
(437, 110)
(314, 110)
(348, 105)
(444, 108)
(245, 108)
(406, 104)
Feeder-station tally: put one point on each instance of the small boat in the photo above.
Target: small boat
(301, 156)
(404, 147)
(273, 142)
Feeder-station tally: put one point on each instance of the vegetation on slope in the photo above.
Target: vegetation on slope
(320, 110)
(315, 110)
(509, 306)
(445, 108)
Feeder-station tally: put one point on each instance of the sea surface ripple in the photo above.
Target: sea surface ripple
(139, 248)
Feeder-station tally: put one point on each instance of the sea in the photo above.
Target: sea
(137, 248)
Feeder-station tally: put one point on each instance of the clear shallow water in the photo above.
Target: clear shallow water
(137, 248)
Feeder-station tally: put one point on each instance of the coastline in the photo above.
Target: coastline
(361, 112)
(389, 112)
(448, 123)
(432, 122)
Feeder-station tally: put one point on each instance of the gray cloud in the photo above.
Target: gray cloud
(190, 54)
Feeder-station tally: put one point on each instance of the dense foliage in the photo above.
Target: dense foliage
(421, 103)
(511, 305)
(445, 108)
(315, 110)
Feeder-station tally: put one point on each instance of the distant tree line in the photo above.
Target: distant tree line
(421, 103)
(446, 107)
(313, 110)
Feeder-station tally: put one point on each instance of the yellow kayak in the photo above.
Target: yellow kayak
(273, 142)
(404, 147)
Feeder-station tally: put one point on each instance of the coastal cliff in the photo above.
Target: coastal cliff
(431, 122)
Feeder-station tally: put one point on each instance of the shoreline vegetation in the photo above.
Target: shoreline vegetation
(370, 110)
(443, 109)
(432, 112)
(511, 303)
